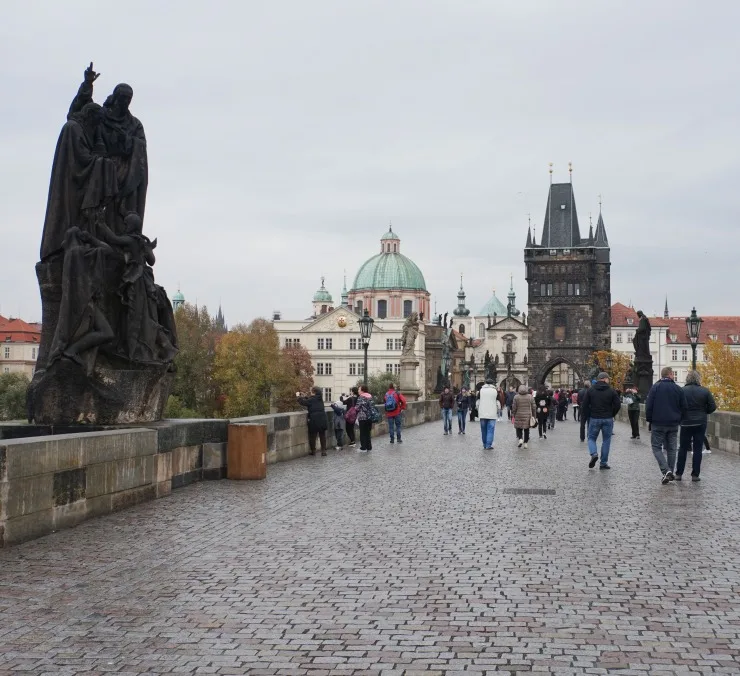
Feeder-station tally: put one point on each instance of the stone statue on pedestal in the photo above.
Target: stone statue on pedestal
(108, 335)
(643, 365)
(409, 362)
(409, 334)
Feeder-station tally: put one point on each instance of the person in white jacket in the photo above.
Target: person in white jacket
(488, 408)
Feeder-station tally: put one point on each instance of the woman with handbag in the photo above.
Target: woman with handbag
(367, 414)
(350, 417)
(523, 413)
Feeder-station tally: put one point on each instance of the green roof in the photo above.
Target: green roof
(390, 235)
(493, 307)
(389, 271)
(322, 295)
(178, 296)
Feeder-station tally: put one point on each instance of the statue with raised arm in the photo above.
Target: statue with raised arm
(108, 336)
(410, 332)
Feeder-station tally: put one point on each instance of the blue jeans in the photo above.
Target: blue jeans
(606, 427)
(447, 419)
(662, 436)
(395, 422)
(691, 438)
(461, 419)
(487, 430)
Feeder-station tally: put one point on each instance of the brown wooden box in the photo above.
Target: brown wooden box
(246, 453)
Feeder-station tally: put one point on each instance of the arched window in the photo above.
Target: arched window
(358, 307)
(462, 329)
(382, 309)
(395, 248)
(408, 306)
(481, 330)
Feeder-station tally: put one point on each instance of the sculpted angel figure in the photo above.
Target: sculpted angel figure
(410, 332)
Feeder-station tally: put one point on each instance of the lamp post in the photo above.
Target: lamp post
(609, 364)
(366, 330)
(693, 326)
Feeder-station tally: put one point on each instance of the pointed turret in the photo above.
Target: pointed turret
(601, 239)
(220, 321)
(528, 245)
(461, 310)
(560, 229)
(511, 305)
(665, 312)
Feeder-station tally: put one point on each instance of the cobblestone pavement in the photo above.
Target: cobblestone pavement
(410, 559)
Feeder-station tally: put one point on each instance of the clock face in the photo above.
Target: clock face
(342, 322)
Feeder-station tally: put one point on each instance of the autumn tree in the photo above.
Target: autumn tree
(195, 388)
(249, 369)
(295, 375)
(721, 374)
(616, 364)
(13, 388)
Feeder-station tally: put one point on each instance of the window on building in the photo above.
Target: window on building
(389, 368)
(576, 289)
(481, 330)
(570, 289)
(630, 321)
(674, 355)
(629, 337)
(7, 353)
(327, 395)
(360, 369)
(320, 344)
(398, 344)
(559, 326)
(292, 342)
(712, 336)
(327, 368)
(353, 343)
(6, 370)
(358, 307)
(619, 337)
(397, 369)
(408, 308)
(328, 343)
(543, 289)
(549, 289)
(320, 368)
(323, 309)
(382, 309)
(684, 355)
(352, 368)
(34, 352)
(461, 328)
(389, 343)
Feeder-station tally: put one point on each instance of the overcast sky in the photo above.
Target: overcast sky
(284, 136)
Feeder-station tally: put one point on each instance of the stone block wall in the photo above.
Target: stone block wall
(52, 482)
(723, 429)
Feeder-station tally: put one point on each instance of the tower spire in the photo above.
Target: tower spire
(461, 310)
(665, 312)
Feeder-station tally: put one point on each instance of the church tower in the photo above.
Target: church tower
(569, 294)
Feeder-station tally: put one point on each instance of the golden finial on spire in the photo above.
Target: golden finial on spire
(570, 171)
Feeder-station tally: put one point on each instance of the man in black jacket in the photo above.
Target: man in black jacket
(699, 404)
(317, 421)
(600, 405)
(665, 406)
(584, 418)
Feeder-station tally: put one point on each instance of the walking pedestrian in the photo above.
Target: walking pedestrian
(488, 408)
(584, 420)
(576, 406)
(600, 405)
(552, 412)
(523, 410)
(665, 407)
(501, 398)
(632, 398)
(395, 405)
(462, 401)
(317, 421)
(544, 404)
(350, 416)
(563, 401)
(699, 404)
(472, 405)
(447, 403)
(510, 401)
(367, 414)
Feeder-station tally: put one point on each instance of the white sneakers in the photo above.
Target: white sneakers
(525, 446)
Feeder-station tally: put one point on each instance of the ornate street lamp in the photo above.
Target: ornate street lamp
(609, 364)
(693, 326)
(366, 330)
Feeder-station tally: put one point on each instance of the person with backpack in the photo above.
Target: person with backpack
(462, 400)
(339, 411)
(395, 405)
(447, 403)
(350, 416)
(367, 414)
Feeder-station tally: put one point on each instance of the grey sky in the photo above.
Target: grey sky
(283, 136)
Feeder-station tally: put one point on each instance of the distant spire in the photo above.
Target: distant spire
(529, 239)
(345, 294)
(570, 171)
(665, 312)
(461, 310)
(601, 238)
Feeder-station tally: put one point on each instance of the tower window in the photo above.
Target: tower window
(559, 326)
(461, 329)
(481, 330)
(358, 307)
(382, 309)
(549, 289)
(408, 308)
(395, 248)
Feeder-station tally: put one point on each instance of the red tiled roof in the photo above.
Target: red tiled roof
(18, 331)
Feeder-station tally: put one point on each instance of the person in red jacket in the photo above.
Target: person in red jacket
(395, 405)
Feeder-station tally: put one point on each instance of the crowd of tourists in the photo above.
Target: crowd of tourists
(676, 416)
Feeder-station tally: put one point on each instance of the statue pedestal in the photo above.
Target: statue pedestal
(644, 376)
(408, 386)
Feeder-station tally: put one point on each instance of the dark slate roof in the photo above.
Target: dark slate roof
(601, 239)
(560, 229)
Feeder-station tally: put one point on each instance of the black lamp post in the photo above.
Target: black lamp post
(693, 326)
(366, 330)
(609, 364)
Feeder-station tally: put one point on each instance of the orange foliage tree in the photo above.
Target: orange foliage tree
(619, 368)
(721, 374)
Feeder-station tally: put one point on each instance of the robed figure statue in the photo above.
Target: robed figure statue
(108, 331)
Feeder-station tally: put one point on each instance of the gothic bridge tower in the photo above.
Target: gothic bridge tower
(569, 290)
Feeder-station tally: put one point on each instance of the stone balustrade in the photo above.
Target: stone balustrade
(59, 480)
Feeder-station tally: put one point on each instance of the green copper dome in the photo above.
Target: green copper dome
(322, 295)
(493, 307)
(390, 234)
(179, 296)
(389, 271)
